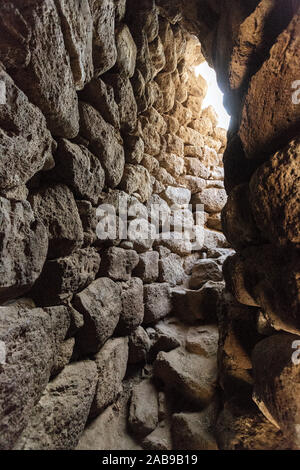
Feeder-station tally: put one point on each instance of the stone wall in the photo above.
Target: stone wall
(114, 343)
(254, 48)
(103, 104)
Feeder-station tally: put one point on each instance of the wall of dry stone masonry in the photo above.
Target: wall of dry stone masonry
(254, 48)
(102, 102)
(115, 344)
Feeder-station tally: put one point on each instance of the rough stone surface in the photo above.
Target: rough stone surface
(100, 304)
(125, 99)
(118, 263)
(58, 420)
(238, 221)
(141, 128)
(110, 429)
(111, 362)
(263, 131)
(104, 46)
(136, 179)
(78, 36)
(55, 206)
(127, 51)
(277, 383)
(177, 196)
(80, 170)
(204, 271)
(139, 346)
(25, 140)
(147, 269)
(30, 340)
(194, 431)
(132, 314)
(159, 439)
(64, 276)
(193, 376)
(104, 142)
(203, 340)
(24, 245)
(102, 98)
(213, 199)
(267, 278)
(157, 302)
(233, 426)
(143, 413)
(48, 80)
(171, 270)
(274, 196)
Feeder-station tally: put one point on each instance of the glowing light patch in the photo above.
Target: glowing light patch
(214, 95)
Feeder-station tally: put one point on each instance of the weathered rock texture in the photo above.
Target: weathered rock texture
(117, 343)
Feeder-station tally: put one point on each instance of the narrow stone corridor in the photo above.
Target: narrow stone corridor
(149, 258)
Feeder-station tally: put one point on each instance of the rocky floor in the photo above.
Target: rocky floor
(170, 396)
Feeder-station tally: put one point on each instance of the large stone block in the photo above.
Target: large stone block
(132, 314)
(80, 170)
(101, 96)
(195, 431)
(101, 305)
(196, 168)
(105, 143)
(203, 304)
(205, 270)
(237, 219)
(157, 299)
(118, 263)
(104, 46)
(143, 412)
(167, 87)
(29, 340)
(157, 56)
(55, 206)
(274, 197)
(214, 239)
(167, 38)
(262, 131)
(193, 376)
(171, 270)
(78, 35)
(213, 199)
(127, 51)
(47, 79)
(125, 100)
(176, 197)
(25, 140)
(277, 384)
(58, 420)
(62, 277)
(87, 214)
(23, 248)
(111, 363)
(139, 346)
(152, 140)
(268, 277)
(136, 179)
(147, 269)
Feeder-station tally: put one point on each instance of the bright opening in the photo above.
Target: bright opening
(214, 95)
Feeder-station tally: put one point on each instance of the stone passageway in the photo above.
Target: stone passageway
(149, 259)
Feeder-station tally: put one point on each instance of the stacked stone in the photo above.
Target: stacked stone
(98, 104)
(257, 66)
